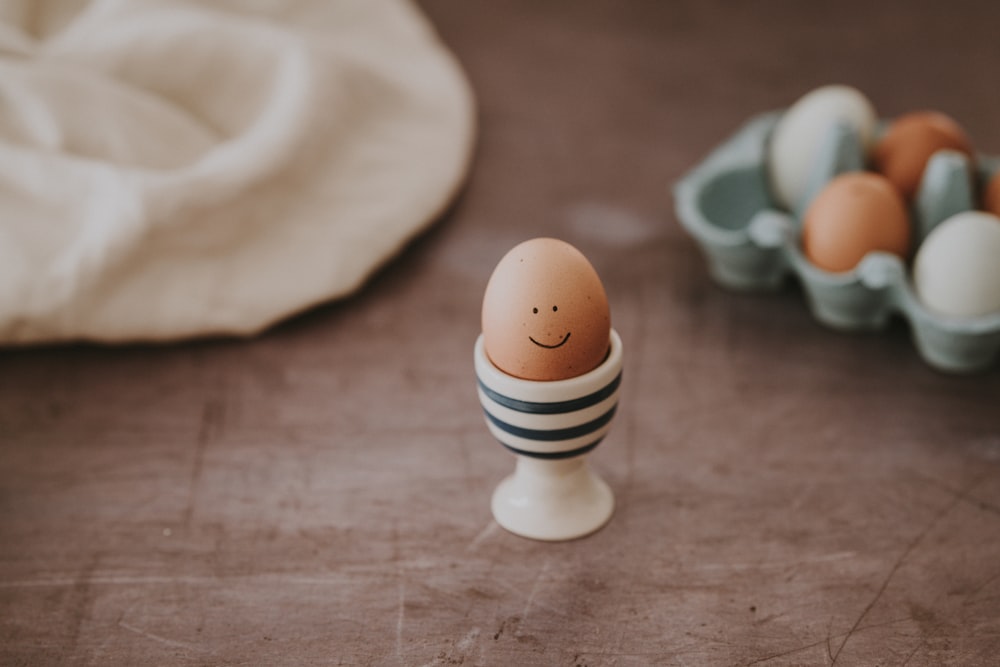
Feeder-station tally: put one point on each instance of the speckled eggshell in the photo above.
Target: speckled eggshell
(545, 313)
(856, 213)
(956, 271)
(802, 130)
(909, 142)
(991, 197)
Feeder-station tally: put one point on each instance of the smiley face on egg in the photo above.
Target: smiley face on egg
(545, 313)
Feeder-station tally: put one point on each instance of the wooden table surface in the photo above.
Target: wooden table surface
(786, 494)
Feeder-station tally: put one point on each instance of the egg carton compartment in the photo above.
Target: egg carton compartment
(751, 245)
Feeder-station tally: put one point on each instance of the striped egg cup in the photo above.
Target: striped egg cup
(551, 426)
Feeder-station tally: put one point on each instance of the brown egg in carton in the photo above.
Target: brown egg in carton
(752, 242)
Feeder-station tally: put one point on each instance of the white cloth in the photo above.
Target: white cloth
(178, 168)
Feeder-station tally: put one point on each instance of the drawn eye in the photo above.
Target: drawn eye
(534, 310)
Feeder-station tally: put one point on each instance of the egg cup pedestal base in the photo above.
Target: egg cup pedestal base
(552, 500)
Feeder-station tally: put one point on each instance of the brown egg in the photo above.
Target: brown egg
(991, 197)
(909, 142)
(545, 312)
(855, 213)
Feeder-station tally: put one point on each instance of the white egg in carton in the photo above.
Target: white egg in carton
(726, 204)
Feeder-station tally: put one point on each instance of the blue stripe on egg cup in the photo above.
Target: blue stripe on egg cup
(557, 419)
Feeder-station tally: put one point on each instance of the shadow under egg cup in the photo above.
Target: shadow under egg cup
(551, 426)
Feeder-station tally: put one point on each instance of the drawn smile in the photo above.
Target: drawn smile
(550, 347)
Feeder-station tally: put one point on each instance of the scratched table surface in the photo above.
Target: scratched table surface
(786, 494)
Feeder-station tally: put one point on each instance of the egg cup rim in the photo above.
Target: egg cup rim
(549, 390)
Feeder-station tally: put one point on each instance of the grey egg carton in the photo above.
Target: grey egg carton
(751, 245)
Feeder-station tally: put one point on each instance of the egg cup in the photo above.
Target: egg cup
(750, 245)
(551, 426)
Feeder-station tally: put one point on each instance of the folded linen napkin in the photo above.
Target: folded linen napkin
(178, 168)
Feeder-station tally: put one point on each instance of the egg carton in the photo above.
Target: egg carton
(751, 245)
